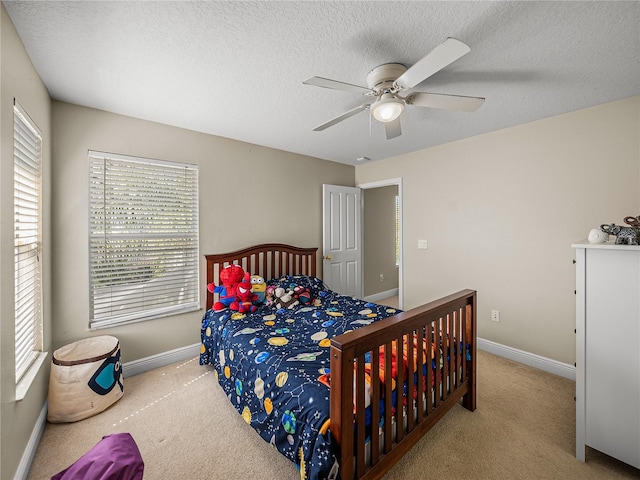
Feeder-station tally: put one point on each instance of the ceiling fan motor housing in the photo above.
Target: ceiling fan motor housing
(381, 78)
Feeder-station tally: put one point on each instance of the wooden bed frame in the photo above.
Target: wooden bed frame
(453, 379)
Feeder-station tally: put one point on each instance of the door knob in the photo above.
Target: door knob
(327, 257)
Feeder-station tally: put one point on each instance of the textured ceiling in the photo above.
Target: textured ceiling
(235, 69)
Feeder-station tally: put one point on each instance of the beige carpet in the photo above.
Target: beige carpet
(523, 428)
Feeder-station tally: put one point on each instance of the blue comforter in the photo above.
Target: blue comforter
(274, 365)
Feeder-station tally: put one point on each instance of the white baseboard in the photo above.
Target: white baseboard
(30, 451)
(379, 296)
(531, 359)
(142, 365)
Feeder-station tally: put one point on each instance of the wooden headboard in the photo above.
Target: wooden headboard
(269, 260)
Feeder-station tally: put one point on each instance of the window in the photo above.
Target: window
(27, 212)
(143, 239)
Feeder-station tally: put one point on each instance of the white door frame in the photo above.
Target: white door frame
(387, 183)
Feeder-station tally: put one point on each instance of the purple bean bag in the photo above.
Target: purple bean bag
(115, 457)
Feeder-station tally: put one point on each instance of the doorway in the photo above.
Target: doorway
(382, 242)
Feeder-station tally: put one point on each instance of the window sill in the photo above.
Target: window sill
(22, 387)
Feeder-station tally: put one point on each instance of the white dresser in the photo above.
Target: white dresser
(608, 350)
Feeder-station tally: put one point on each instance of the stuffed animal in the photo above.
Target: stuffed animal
(302, 294)
(243, 302)
(284, 299)
(270, 295)
(259, 289)
(230, 277)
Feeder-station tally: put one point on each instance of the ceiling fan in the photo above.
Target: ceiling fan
(387, 82)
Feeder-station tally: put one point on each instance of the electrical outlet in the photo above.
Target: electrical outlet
(382, 277)
(495, 315)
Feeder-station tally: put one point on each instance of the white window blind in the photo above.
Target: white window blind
(143, 243)
(27, 161)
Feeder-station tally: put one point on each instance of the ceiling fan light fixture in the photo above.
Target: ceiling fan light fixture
(387, 108)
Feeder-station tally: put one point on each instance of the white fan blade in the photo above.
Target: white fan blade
(344, 116)
(393, 129)
(447, 102)
(444, 54)
(336, 85)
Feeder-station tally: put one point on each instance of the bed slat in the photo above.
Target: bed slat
(375, 411)
(430, 360)
(470, 367)
(437, 374)
(387, 399)
(420, 367)
(360, 415)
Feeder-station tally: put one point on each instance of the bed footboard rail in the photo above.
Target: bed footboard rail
(407, 371)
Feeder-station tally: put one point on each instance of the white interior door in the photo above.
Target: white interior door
(342, 239)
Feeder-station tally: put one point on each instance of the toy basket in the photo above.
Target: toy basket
(85, 379)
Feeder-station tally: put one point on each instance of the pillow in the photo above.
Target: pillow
(314, 284)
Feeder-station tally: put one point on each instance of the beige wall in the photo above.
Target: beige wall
(379, 240)
(248, 195)
(500, 212)
(19, 80)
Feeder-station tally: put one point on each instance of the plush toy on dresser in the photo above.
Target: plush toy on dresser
(624, 235)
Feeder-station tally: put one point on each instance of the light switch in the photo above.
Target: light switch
(422, 244)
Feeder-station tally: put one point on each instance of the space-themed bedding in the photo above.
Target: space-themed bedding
(273, 365)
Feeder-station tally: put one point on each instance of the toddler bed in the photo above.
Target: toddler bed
(341, 386)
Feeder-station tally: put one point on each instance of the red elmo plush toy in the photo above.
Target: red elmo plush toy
(230, 277)
(244, 297)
